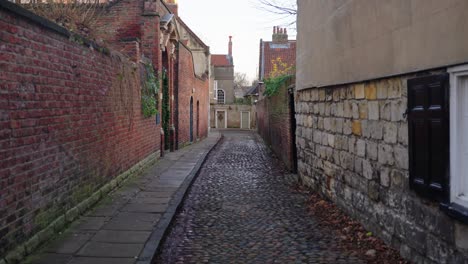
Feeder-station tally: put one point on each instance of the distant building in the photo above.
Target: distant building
(279, 49)
(224, 111)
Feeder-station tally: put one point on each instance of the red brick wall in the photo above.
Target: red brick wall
(68, 124)
(188, 85)
(287, 55)
(274, 125)
(126, 20)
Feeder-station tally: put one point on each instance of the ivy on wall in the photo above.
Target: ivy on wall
(165, 108)
(149, 92)
(281, 73)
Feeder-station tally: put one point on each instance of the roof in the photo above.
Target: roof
(220, 60)
(252, 90)
(189, 30)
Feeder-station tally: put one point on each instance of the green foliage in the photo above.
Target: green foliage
(149, 93)
(273, 84)
(165, 108)
(242, 101)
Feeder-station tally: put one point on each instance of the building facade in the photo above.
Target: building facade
(225, 111)
(277, 54)
(381, 113)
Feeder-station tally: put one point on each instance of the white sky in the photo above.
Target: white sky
(215, 20)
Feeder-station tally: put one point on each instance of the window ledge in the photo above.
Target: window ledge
(455, 211)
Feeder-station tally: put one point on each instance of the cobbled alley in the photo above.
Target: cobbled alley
(241, 209)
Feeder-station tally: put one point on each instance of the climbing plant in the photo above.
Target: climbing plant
(149, 92)
(280, 74)
(165, 107)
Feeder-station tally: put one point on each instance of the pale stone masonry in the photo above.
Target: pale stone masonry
(352, 143)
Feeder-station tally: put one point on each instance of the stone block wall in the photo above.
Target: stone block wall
(352, 143)
(70, 121)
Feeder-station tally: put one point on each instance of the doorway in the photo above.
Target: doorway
(245, 120)
(191, 119)
(221, 119)
(198, 120)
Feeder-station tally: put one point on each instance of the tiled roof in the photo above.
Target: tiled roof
(220, 60)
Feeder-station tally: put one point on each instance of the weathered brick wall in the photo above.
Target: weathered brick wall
(353, 148)
(129, 20)
(70, 120)
(190, 86)
(274, 124)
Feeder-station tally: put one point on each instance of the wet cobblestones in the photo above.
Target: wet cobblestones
(241, 210)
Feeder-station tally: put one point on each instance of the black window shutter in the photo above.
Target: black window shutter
(428, 124)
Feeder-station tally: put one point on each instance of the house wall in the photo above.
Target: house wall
(350, 41)
(189, 86)
(233, 112)
(352, 145)
(68, 123)
(225, 78)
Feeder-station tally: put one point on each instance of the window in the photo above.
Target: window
(215, 93)
(428, 124)
(459, 135)
(220, 97)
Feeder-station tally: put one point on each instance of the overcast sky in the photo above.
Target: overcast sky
(215, 20)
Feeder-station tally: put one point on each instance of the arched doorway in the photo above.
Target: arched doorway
(191, 119)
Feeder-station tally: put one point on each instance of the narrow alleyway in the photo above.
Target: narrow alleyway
(241, 210)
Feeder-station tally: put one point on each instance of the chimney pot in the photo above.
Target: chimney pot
(230, 46)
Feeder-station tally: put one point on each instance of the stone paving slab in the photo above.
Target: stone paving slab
(127, 226)
(114, 236)
(112, 250)
(133, 221)
(145, 208)
(88, 260)
(71, 243)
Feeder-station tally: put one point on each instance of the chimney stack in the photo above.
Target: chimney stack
(280, 35)
(230, 46)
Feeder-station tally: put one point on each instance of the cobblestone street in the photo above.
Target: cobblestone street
(241, 209)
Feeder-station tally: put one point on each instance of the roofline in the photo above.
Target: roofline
(193, 33)
(289, 41)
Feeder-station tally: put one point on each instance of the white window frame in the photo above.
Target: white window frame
(225, 118)
(224, 97)
(243, 120)
(458, 178)
(215, 84)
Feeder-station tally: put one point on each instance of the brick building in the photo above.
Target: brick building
(71, 119)
(381, 113)
(275, 114)
(279, 50)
